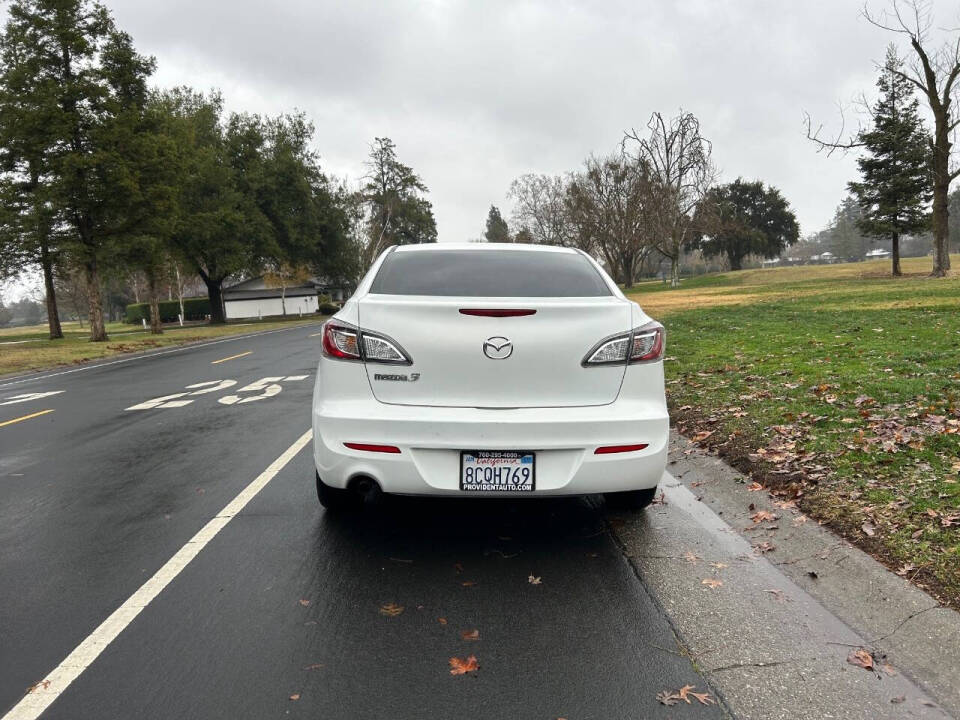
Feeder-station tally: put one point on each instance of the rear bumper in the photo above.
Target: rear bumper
(430, 440)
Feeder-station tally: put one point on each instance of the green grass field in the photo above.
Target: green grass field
(837, 385)
(23, 349)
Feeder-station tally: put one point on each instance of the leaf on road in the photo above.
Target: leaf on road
(690, 557)
(712, 583)
(719, 565)
(470, 635)
(468, 583)
(42, 685)
(534, 580)
(462, 667)
(687, 691)
(304, 602)
(668, 698)
(764, 547)
(442, 621)
(861, 657)
(762, 516)
(314, 666)
(295, 697)
(391, 609)
(754, 487)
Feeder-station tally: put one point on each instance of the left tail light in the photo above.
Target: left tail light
(641, 345)
(346, 342)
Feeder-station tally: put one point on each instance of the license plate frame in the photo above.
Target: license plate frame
(504, 486)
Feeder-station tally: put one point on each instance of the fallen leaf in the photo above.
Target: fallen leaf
(391, 609)
(468, 583)
(712, 583)
(861, 658)
(314, 666)
(762, 516)
(470, 635)
(888, 669)
(442, 621)
(869, 529)
(764, 547)
(686, 692)
(755, 487)
(42, 685)
(719, 565)
(701, 436)
(304, 602)
(668, 698)
(690, 557)
(295, 697)
(534, 580)
(462, 667)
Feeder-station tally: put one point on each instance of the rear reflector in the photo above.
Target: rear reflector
(609, 449)
(366, 447)
(490, 312)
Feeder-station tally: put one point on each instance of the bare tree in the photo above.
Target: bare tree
(540, 207)
(608, 203)
(681, 172)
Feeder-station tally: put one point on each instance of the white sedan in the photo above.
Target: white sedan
(489, 370)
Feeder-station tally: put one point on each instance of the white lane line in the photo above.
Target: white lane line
(181, 348)
(48, 689)
(27, 397)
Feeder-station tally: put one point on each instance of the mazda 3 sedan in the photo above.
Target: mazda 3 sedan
(489, 370)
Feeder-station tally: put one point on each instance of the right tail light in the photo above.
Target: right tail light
(640, 345)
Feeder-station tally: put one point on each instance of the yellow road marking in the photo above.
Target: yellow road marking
(232, 357)
(25, 417)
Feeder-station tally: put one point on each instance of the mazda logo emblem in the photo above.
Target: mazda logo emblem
(497, 348)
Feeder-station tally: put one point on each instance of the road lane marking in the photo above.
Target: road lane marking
(27, 397)
(232, 357)
(152, 354)
(48, 689)
(316, 334)
(25, 417)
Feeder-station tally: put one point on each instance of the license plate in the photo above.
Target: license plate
(507, 471)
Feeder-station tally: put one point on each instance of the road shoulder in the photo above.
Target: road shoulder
(770, 610)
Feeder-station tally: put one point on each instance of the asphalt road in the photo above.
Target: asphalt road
(280, 613)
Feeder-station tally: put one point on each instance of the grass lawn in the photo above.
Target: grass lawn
(23, 349)
(835, 385)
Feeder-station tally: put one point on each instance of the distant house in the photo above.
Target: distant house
(878, 253)
(825, 257)
(252, 298)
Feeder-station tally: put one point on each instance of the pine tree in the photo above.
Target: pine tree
(497, 228)
(895, 191)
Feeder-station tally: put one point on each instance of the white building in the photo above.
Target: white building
(253, 299)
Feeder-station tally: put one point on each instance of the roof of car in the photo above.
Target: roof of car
(480, 247)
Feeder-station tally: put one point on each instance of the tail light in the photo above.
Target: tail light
(641, 345)
(346, 342)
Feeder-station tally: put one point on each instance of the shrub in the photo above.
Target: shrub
(327, 308)
(193, 309)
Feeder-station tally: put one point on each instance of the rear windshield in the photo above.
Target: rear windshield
(489, 273)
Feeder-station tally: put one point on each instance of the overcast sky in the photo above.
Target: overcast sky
(475, 94)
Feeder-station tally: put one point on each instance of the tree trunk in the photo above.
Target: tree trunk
(98, 331)
(675, 271)
(215, 293)
(736, 261)
(156, 327)
(941, 190)
(53, 315)
(895, 238)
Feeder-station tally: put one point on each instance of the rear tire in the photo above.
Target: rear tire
(337, 500)
(631, 500)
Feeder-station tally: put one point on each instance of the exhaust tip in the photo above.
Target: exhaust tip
(366, 488)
